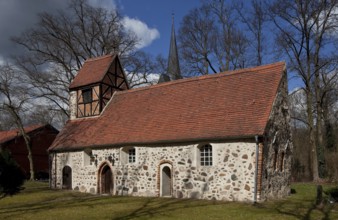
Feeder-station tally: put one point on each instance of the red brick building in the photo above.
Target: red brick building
(41, 136)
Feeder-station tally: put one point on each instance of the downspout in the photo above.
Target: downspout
(55, 170)
(256, 171)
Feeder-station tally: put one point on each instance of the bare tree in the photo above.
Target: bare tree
(305, 35)
(230, 46)
(141, 67)
(58, 45)
(211, 39)
(196, 35)
(5, 120)
(14, 102)
(255, 18)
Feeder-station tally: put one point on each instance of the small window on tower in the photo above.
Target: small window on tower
(87, 95)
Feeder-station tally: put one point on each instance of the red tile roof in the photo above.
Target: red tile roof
(11, 134)
(92, 71)
(233, 104)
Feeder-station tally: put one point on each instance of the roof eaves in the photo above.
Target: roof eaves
(157, 143)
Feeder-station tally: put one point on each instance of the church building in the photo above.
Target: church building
(223, 136)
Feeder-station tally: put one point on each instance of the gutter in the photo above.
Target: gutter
(152, 143)
(55, 181)
(256, 171)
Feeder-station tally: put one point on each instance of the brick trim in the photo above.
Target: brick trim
(260, 170)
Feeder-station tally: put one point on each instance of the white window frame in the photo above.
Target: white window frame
(126, 157)
(205, 155)
(132, 155)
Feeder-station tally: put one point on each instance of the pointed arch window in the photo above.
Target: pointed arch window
(275, 157)
(281, 162)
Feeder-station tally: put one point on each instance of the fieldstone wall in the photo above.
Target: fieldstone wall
(230, 178)
(276, 171)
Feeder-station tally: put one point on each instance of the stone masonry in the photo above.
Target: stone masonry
(278, 149)
(230, 178)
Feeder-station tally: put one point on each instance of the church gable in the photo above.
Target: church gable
(95, 84)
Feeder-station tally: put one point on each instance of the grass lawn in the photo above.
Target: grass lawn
(37, 201)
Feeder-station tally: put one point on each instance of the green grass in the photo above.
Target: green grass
(37, 201)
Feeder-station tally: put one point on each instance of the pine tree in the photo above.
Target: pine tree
(11, 176)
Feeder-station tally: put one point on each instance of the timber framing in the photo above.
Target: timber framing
(101, 88)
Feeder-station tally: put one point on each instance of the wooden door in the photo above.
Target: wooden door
(67, 178)
(107, 185)
(166, 181)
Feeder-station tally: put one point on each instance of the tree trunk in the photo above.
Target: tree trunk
(27, 141)
(29, 150)
(29, 156)
(314, 158)
(319, 132)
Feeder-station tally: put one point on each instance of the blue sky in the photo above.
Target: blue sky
(158, 15)
(150, 19)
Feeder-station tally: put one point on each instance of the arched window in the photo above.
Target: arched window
(281, 162)
(275, 157)
(206, 155)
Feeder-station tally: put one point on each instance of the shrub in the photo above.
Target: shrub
(11, 176)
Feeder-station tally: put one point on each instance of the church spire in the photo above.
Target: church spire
(173, 64)
(173, 69)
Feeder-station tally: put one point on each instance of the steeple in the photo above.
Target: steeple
(173, 69)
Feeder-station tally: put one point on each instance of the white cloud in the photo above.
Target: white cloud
(332, 21)
(145, 34)
(140, 80)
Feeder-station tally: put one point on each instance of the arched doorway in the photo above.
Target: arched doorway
(67, 178)
(166, 181)
(106, 180)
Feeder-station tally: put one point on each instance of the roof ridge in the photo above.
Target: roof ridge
(204, 77)
(261, 67)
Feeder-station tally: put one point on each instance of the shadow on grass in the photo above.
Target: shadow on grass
(305, 210)
(51, 200)
(156, 207)
(39, 201)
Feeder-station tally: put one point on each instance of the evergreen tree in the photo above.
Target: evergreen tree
(11, 176)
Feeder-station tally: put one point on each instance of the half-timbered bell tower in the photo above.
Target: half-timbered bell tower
(94, 85)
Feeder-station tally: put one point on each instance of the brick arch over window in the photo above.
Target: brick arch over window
(159, 173)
